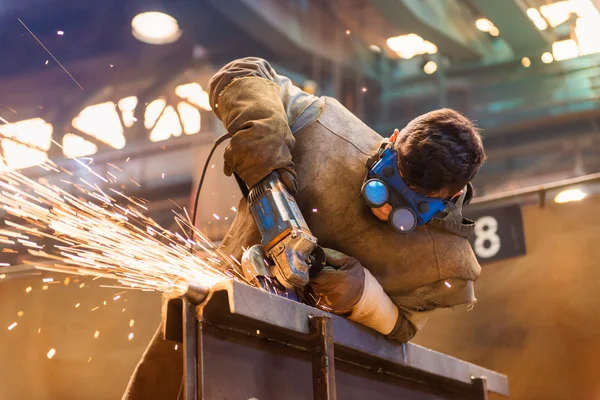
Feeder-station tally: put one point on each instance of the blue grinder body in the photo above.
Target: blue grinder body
(286, 238)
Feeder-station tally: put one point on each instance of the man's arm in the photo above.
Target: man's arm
(258, 107)
(346, 288)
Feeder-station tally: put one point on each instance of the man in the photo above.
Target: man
(376, 276)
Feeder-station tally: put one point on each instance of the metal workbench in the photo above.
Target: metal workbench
(244, 343)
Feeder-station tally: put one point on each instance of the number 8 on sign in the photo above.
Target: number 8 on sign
(485, 233)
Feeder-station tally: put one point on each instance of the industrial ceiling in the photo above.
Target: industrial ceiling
(526, 70)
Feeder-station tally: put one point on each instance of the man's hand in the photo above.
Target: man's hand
(340, 284)
(345, 287)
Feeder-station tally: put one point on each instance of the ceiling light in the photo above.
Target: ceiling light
(557, 13)
(430, 67)
(587, 31)
(569, 195)
(429, 47)
(537, 19)
(526, 62)
(408, 46)
(155, 28)
(565, 49)
(547, 58)
(484, 24)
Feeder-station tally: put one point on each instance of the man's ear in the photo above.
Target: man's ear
(394, 136)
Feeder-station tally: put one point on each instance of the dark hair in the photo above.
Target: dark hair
(439, 150)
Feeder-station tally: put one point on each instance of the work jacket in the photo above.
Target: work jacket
(278, 126)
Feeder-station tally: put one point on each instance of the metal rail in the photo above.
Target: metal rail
(541, 190)
(255, 344)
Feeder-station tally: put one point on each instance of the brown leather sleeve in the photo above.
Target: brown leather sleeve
(251, 109)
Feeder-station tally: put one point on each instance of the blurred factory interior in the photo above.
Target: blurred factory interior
(123, 83)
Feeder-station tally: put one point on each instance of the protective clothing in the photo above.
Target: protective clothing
(324, 147)
(327, 147)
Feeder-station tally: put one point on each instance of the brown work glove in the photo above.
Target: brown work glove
(251, 109)
(339, 286)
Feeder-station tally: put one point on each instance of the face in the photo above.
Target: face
(383, 212)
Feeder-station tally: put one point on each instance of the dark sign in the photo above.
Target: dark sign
(498, 233)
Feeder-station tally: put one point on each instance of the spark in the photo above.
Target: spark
(60, 33)
(95, 308)
(77, 305)
(51, 353)
(89, 359)
(216, 216)
(47, 280)
(4, 265)
(29, 289)
(45, 287)
(348, 32)
(116, 297)
(131, 322)
(104, 302)
(96, 334)
(123, 310)
(176, 347)
(95, 240)
(2, 276)
(127, 159)
(39, 330)
(233, 209)
(47, 61)
(11, 326)
(20, 314)
(67, 281)
(314, 210)
(131, 336)
(135, 182)
(48, 51)
(163, 175)
(447, 284)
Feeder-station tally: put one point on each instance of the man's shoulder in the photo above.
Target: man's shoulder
(339, 123)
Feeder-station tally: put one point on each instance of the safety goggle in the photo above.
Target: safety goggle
(384, 185)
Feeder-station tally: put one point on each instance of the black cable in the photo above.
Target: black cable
(219, 140)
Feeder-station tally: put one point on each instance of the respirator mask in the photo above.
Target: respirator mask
(384, 184)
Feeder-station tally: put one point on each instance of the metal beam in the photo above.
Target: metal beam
(287, 31)
(516, 28)
(442, 22)
(239, 308)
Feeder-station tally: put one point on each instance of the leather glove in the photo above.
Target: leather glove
(345, 287)
(340, 284)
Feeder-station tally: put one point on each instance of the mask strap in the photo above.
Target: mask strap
(458, 218)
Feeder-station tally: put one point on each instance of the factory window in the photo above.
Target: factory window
(32, 138)
(75, 146)
(102, 122)
(193, 93)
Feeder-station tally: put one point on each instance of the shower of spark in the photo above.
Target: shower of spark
(97, 236)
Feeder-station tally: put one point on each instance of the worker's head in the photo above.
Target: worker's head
(438, 155)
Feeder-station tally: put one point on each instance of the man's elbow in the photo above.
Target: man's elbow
(236, 69)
